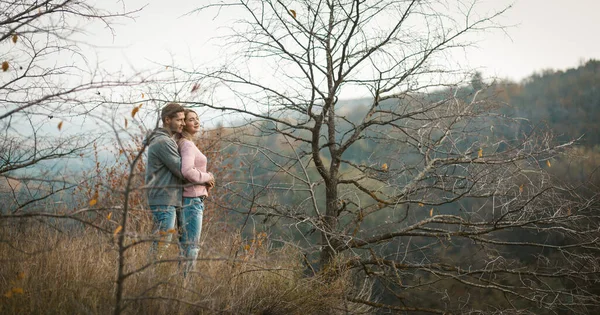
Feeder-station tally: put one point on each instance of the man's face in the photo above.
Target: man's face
(176, 123)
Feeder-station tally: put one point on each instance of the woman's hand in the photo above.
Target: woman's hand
(211, 183)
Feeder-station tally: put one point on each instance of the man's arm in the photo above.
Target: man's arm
(167, 153)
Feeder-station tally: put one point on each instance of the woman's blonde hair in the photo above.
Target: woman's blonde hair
(184, 133)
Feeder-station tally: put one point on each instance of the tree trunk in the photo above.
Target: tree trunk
(329, 240)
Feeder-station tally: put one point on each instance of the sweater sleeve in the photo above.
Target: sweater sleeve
(188, 168)
(168, 154)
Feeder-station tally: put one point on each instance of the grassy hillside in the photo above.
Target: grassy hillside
(46, 269)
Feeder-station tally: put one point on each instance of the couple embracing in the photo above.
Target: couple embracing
(177, 183)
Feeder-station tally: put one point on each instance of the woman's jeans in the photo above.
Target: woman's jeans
(190, 223)
(189, 220)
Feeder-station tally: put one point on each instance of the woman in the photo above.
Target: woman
(193, 168)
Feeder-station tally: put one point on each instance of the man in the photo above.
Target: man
(163, 176)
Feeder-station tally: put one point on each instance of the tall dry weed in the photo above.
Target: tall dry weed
(48, 269)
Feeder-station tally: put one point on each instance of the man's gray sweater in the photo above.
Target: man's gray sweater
(163, 170)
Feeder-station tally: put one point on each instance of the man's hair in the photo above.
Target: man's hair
(170, 111)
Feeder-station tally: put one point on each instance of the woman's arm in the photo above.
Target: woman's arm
(188, 150)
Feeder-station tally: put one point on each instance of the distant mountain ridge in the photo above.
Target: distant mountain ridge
(568, 101)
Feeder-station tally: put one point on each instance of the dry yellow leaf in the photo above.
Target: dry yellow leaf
(134, 111)
(4, 65)
(293, 12)
(521, 187)
(17, 290)
(421, 204)
(246, 247)
(431, 212)
(60, 125)
(548, 163)
(117, 230)
(21, 275)
(384, 166)
(480, 152)
(140, 106)
(93, 202)
(171, 231)
(15, 38)
(109, 216)
(142, 95)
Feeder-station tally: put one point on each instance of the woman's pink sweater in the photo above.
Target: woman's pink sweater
(193, 168)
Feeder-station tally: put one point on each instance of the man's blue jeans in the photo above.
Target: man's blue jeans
(190, 223)
(164, 226)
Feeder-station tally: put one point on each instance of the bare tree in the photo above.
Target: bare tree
(452, 208)
(46, 82)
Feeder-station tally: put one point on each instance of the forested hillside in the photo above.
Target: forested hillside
(567, 101)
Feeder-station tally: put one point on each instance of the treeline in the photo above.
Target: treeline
(568, 102)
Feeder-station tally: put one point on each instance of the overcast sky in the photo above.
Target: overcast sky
(546, 34)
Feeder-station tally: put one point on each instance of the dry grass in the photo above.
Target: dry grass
(44, 270)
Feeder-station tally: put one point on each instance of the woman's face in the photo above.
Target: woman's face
(192, 123)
